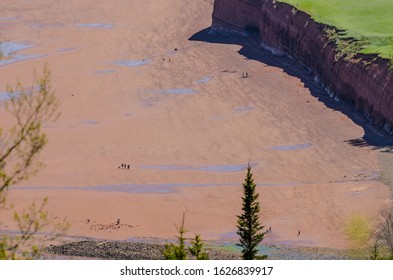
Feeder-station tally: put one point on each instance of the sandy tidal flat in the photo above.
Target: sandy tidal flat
(134, 89)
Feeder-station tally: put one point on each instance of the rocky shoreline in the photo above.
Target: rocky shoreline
(152, 250)
(122, 250)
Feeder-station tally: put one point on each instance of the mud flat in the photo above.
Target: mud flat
(187, 123)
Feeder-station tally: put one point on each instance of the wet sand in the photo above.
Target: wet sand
(134, 89)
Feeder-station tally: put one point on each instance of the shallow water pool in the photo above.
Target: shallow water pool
(172, 91)
(132, 63)
(204, 80)
(95, 25)
(292, 147)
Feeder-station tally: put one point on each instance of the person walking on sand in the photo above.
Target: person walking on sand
(298, 233)
(128, 167)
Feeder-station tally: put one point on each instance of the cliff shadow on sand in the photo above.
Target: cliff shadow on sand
(251, 49)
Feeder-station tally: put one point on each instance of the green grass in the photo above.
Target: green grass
(369, 22)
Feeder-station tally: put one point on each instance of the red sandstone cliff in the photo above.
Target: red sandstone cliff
(367, 85)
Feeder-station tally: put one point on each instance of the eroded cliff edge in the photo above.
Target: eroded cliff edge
(366, 81)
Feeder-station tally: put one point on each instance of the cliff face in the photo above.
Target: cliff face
(365, 84)
(238, 15)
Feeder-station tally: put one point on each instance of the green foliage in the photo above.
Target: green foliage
(174, 252)
(346, 48)
(196, 249)
(19, 147)
(249, 227)
(29, 222)
(21, 144)
(178, 251)
(379, 252)
(358, 230)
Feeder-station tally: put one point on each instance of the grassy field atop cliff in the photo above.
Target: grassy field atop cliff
(370, 22)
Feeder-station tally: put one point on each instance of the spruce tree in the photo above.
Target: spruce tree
(196, 249)
(177, 252)
(249, 227)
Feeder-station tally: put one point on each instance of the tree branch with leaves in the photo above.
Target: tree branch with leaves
(20, 145)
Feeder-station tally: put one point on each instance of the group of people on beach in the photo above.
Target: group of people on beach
(270, 230)
(124, 166)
